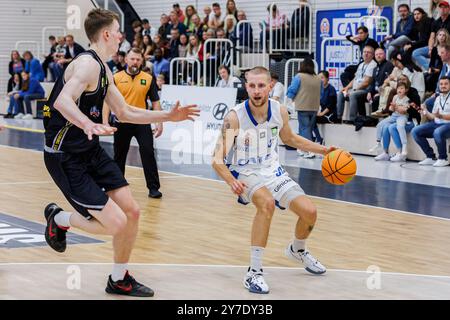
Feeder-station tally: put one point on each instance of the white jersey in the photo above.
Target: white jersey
(255, 148)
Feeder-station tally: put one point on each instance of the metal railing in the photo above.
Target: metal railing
(251, 45)
(216, 52)
(185, 71)
(32, 46)
(289, 34)
(336, 54)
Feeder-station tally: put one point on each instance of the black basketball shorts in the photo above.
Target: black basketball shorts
(84, 178)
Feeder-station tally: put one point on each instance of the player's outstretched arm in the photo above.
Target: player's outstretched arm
(81, 75)
(130, 114)
(291, 139)
(224, 144)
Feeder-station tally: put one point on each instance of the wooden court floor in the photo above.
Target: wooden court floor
(199, 228)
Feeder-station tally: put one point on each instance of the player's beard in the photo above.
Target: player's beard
(259, 103)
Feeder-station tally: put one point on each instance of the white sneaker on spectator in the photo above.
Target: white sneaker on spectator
(377, 148)
(309, 155)
(382, 157)
(441, 163)
(398, 157)
(28, 116)
(301, 153)
(18, 116)
(427, 162)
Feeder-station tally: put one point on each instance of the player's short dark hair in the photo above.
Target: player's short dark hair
(96, 20)
(51, 38)
(403, 5)
(215, 4)
(222, 66)
(325, 73)
(144, 21)
(445, 78)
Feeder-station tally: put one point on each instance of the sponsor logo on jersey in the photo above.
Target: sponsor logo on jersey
(94, 112)
(143, 82)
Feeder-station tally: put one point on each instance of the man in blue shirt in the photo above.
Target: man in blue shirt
(160, 65)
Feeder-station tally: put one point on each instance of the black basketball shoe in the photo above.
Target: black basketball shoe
(128, 287)
(54, 235)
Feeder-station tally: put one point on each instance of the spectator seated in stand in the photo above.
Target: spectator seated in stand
(328, 101)
(361, 40)
(356, 91)
(33, 66)
(31, 90)
(14, 86)
(438, 127)
(404, 32)
(226, 81)
(277, 92)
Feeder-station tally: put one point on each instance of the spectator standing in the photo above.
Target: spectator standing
(305, 92)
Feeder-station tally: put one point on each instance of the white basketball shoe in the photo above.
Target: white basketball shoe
(310, 263)
(255, 283)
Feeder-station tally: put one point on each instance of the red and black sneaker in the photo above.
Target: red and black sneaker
(128, 287)
(54, 234)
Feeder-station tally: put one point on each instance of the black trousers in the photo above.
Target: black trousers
(144, 136)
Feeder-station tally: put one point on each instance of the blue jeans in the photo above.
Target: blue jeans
(306, 122)
(28, 98)
(12, 108)
(440, 133)
(429, 103)
(392, 131)
(422, 58)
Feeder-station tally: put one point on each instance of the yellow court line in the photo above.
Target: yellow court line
(24, 129)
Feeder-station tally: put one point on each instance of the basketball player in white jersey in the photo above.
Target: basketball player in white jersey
(248, 145)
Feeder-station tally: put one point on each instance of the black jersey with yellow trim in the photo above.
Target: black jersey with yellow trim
(60, 134)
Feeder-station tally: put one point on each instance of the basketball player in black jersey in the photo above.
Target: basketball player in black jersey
(89, 179)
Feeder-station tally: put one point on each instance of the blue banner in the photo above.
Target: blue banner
(339, 23)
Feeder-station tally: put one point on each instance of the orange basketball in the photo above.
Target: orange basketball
(338, 167)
